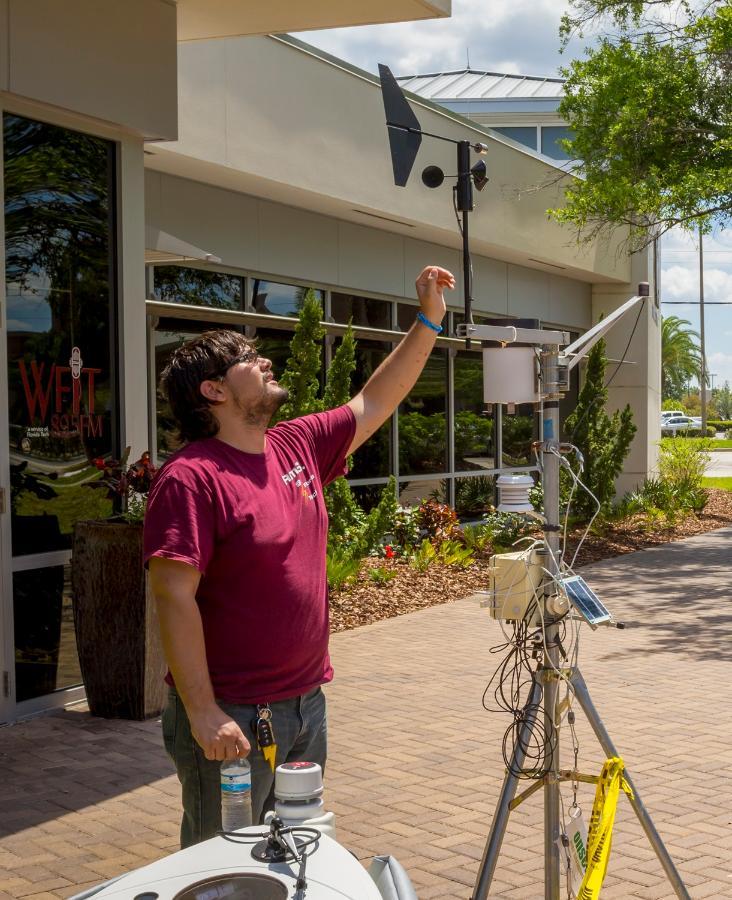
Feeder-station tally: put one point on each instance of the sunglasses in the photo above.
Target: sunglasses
(249, 356)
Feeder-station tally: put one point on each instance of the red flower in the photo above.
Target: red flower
(99, 463)
(389, 552)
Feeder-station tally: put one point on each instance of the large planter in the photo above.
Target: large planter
(120, 653)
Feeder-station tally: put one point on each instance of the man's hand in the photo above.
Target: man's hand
(430, 284)
(218, 734)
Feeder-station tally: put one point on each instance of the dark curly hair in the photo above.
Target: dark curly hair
(207, 356)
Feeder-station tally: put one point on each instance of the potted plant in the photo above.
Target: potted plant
(120, 654)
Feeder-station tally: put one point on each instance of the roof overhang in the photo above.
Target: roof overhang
(161, 247)
(200, 19)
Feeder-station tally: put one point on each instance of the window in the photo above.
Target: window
(279, 299)
(373, 459)
(406, 314)
(364, 311)
(551, 135)
(522, 134)
(198, 287)
(60, 265)
(474, 430)
(423, 420)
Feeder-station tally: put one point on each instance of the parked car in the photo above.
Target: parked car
(671, 414)
(679, 423)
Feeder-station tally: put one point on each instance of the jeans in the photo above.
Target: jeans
(300, 731)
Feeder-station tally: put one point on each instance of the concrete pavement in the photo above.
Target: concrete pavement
(415, 762)
(720, 464)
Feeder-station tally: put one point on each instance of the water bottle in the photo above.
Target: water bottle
(236, 793)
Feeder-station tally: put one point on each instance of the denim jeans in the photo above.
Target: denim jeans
(300, 731)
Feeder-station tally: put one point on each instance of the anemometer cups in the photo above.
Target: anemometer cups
(433, 176)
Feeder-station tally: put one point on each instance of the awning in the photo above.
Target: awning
(161, 247)
(200, 19)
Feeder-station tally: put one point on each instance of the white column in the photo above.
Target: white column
(638, 381)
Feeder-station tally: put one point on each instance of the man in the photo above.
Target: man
(235, 540)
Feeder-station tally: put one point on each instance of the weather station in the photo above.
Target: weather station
(533, 592)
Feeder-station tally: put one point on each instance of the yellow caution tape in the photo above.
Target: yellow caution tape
(601, 826)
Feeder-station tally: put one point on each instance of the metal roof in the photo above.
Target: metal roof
(469, 84)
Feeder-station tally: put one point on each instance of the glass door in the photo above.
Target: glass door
(61, 388)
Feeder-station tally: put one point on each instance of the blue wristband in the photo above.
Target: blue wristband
(421, 317)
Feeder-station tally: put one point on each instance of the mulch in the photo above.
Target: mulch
(365, 601)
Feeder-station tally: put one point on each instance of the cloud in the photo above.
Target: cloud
(721, 365)
(515, 36)
(682, 283)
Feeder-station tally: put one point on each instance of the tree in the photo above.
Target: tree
(680, 356)
(357, 533)
(723, 401)
(302, 372)
(603, 440)
(650, 108)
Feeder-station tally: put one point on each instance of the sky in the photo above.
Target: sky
(521, 36)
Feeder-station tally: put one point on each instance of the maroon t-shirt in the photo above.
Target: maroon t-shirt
(255, 526)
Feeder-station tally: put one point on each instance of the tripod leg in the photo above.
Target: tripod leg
(508, 791)
(585, 701)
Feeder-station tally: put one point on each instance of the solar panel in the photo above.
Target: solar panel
(585, 600)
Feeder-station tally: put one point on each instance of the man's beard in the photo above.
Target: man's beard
(260, 414)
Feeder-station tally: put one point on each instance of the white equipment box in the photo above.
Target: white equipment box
(515, 585)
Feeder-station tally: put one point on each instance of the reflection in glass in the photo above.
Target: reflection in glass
(368, 495)
(59, 260)
(522, 134)
(413, 493)
(519, 430)
(372, 459)
(422, 420)
(279, 299)
(361, 311)
(406, 314)
(198, 287)
(45, 643)
(551, 135)
(474, 433)
(473, 496)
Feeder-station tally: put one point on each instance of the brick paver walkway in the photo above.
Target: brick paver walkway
(415, 761)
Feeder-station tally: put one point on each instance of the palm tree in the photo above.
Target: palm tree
(681, 357)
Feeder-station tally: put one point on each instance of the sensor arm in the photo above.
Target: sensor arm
(582, 346)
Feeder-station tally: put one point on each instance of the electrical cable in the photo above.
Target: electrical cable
(607, 384)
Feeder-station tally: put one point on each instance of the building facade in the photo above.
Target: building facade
(153, 187)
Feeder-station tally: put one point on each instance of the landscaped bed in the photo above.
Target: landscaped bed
(366, 601)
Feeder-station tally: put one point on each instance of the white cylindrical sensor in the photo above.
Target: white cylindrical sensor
(515, 493)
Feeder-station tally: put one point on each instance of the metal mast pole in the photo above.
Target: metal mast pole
(703, 383)
(552, 659)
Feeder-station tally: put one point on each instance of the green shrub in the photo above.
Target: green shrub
(341, 567)
(504, 529)
(382, 575)
(454, 553)
(682, 464)
(424, 556)
(477, 537)
(439, 520)
(406, 530)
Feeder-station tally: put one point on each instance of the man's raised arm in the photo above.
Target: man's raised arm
(399, 372)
